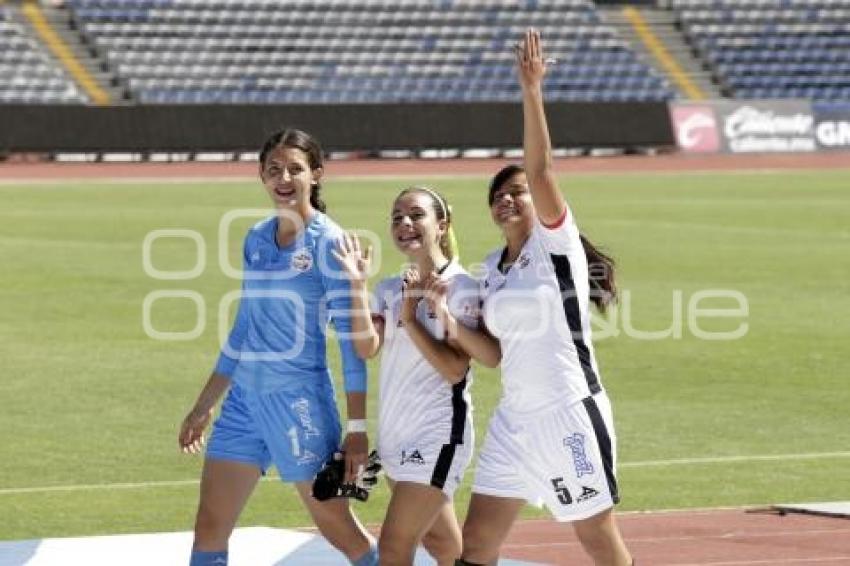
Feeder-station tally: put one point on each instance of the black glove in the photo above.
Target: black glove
(328, 482)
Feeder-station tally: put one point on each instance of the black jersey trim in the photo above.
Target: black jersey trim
(569, 299)
(604, 441)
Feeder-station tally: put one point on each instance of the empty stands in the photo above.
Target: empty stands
(773, 48)
(353, 51)
(27, 73)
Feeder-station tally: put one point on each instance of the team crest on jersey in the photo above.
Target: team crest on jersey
(523, 260)
(576, 445)
(412, 457)
(471, 310)
(302, 260)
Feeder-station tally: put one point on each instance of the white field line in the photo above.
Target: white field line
(728, 459)
(224, 179)
(109, 486)
(644, 464)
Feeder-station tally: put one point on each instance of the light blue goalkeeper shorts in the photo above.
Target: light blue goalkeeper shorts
(297, 429)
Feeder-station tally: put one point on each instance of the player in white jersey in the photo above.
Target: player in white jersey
(425, 434)
(551, 440)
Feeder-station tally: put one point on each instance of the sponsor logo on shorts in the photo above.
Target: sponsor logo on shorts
(586, 494)
(412, 457)
(307, 457)
(575, 443)
(302, 260)
(301, 407)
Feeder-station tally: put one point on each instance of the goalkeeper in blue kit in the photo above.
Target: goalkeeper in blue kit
(280, 407)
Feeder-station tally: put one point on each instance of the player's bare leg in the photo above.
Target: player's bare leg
(337, 523)
(225, 487)
(412, 511)
(487, 525)
(601, 539)
(444, 540)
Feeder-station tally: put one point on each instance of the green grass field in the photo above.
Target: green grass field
(91, 404)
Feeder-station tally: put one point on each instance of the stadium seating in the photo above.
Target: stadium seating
(27, 73)
(356, 51)
(772, 48)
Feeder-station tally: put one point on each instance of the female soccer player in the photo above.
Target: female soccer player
(280, 405)
(551, 440)
(425, 434)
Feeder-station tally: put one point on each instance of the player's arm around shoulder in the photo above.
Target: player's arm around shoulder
(460, 315)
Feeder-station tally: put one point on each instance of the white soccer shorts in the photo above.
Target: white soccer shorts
(564, 459)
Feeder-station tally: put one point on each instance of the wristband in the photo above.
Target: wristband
(356, 425)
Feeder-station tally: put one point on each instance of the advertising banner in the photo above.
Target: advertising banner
(744, 126)
(832, 126)
(695, 127)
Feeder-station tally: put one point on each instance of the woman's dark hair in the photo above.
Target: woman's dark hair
(600, 266)
(600, 275)
(292, 137)
(501, 178)
(442, 211)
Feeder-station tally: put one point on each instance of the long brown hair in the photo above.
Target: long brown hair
(292, 137)
(600, 266)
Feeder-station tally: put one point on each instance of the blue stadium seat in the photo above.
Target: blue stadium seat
(359, 51)
(758, 48)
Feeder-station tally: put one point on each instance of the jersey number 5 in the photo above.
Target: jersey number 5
(563, 493)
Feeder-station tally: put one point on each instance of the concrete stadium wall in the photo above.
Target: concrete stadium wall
(356, 127)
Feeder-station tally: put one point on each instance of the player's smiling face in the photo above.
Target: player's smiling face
(512, 202)
(287, 178)
(414, 226)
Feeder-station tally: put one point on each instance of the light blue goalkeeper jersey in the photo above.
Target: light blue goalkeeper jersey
(289, 295)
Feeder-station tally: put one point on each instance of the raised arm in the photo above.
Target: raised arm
(537, 147)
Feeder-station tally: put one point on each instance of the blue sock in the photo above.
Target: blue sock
(368, 559)
(217, 558)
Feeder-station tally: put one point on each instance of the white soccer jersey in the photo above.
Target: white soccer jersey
(539, 311)
(425, 423)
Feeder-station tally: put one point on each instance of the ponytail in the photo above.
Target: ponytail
(600, 275)
(316, 197)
